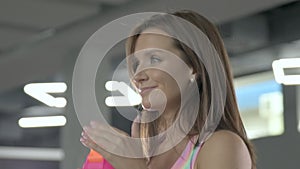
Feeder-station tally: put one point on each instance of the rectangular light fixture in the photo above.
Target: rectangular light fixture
(280, 76)
(45, 121)
(32, 153)
(40, 91)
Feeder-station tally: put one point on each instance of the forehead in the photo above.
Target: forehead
(155, 38)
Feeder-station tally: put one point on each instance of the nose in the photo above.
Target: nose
(140, 77)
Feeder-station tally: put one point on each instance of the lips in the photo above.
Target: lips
(145, 90)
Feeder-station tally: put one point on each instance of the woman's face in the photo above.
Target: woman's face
(152, 64)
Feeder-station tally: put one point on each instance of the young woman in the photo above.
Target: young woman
(169, 56)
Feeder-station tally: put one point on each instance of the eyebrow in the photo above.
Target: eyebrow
(149, 51)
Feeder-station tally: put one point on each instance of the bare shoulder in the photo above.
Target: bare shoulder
(224, 149)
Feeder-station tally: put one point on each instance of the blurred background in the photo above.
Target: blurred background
(41, 39)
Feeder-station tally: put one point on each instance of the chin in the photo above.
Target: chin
(146, 105)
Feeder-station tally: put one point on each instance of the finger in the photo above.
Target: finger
(88, 142)
(93, 145)
(99, 130)
(85, 140)
(99, 126)
(96, 132)
(95, 141)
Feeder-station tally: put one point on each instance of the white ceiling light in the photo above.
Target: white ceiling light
(40, 91)
(278, 69)
(32, 153)
(46, 121)
(129, 98)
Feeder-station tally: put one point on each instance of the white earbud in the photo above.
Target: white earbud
(192, 76)
(192, 79)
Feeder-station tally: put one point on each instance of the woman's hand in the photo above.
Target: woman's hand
(108, 141)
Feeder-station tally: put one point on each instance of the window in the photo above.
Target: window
(260, 101)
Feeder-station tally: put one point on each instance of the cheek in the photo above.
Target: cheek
(166, 82)
(158, 76)
(171, 87)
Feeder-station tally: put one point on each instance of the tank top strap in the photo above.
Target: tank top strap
(188, 156)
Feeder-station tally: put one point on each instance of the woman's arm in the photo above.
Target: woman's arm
(224, 150)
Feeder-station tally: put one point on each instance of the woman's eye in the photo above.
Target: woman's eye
(154, 59)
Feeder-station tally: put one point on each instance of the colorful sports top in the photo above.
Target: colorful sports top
(188, 156)
(185, 161)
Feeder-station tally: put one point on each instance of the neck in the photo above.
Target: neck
(168, 116)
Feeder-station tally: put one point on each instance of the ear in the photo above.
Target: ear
(192, 73)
